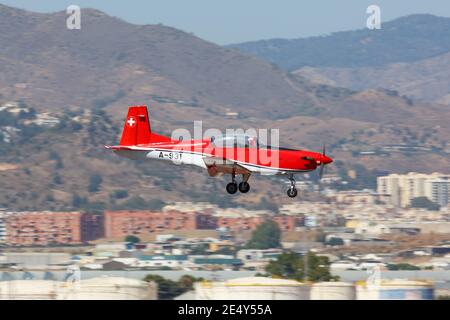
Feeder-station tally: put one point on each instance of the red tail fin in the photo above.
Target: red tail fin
(137, 128)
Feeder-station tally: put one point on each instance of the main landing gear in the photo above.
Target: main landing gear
(243, 187)
(292, 191)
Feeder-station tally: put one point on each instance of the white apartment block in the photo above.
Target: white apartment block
(438, 190)
(402, 188)
(2, 228)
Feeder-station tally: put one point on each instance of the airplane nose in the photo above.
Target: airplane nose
(326, 160)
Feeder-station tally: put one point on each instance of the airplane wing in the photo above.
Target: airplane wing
(118, 147)
(218, 166)
(134, 148)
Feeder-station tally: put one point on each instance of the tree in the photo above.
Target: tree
(290, 265)
(132, 239)
(335, 242)
(120, 194)
(155, 204)
(76, 126)
(226, 251)
(424, 202)
(77, 201)
(266, 204)
(402, 266)
(95, 182)
(187, 282)
(200, 249)
(169, 289)
(267, 235)
(96, 207)
(134, 203)
(57, 179)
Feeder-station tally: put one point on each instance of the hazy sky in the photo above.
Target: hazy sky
(230, 21)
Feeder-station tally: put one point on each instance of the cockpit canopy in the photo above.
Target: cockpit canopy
(235, 141)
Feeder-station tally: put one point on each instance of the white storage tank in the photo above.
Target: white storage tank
(252, 288)
(109, 288)
(101, 288)
(333, 291)
(28, 290)
(395, 290)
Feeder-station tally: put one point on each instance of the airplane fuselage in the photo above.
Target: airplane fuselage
(255, 160)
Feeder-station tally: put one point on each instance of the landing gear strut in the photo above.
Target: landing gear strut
(292, 191)
(244, 186)
(232, 187)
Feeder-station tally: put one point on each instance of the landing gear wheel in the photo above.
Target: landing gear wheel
(232, 188)
(292, 192)
(244, 187)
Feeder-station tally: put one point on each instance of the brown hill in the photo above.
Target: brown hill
(426, 80)
(120, 63)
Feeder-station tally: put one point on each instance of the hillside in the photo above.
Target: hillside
(111, 62)
(72, 89)
(426, 80)
(406, 39)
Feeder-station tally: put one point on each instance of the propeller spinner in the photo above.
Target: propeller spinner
(324, 160)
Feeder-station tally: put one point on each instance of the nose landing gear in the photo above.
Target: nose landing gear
(292, 191)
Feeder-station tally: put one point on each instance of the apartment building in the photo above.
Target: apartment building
(119, 224)
(51, 228)
(92, 227)
(438, 190)
(402, 188)
(2, 227)
(43, 228)
(236, 224)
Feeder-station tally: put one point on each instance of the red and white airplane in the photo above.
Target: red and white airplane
(225, 154)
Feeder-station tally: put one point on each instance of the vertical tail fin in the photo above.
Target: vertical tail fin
(137, 128)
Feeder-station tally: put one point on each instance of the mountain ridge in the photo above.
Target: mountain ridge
(405, 39)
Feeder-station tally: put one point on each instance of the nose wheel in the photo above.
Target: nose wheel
(292, 191)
